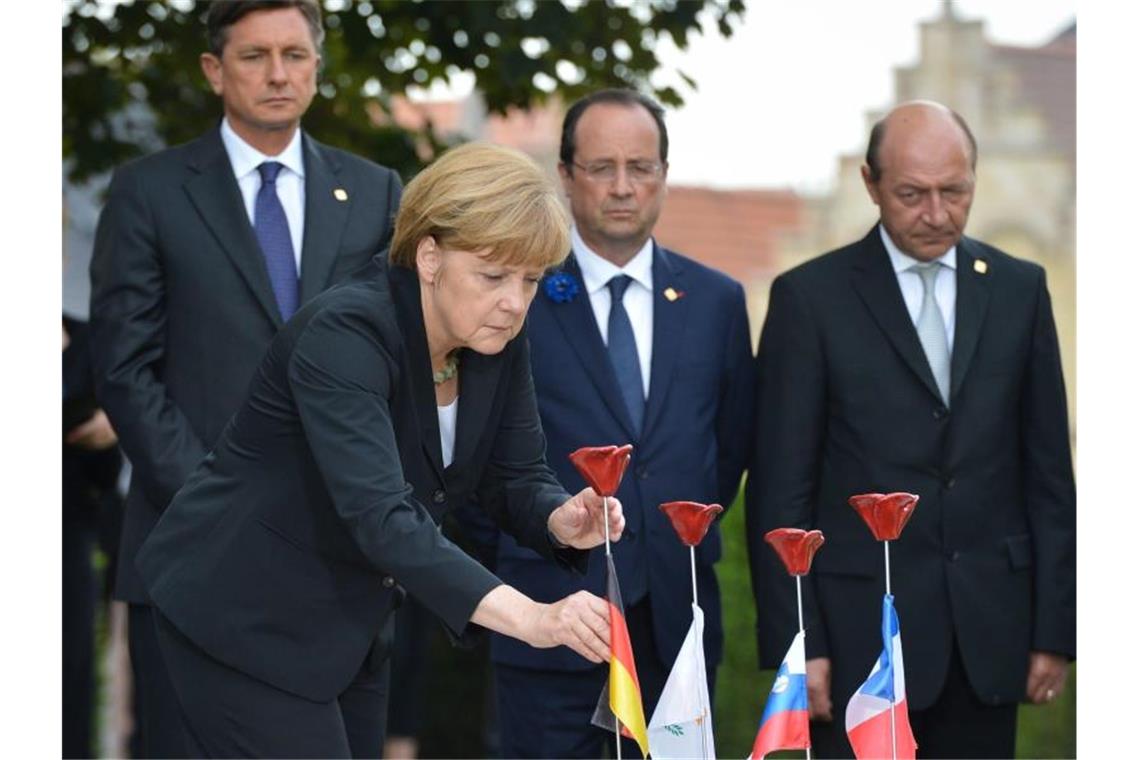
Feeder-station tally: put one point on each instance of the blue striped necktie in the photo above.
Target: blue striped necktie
(272, 230)
(623, 351)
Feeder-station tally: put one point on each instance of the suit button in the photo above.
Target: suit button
(949, 483)
(440, 496)
(941, 412)
(642, 472)
(953, 556)
(388, 581)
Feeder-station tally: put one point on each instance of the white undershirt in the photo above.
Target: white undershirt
(244, 158)
(447, 417)
(638, 300)
(910, 283)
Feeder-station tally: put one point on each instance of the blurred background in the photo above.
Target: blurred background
(768, 110)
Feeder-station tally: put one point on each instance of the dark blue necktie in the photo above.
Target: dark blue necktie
(623, 351)
(272, 230)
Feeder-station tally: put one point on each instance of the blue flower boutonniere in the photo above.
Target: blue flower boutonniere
(561, 287)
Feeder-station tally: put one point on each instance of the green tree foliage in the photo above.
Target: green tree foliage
(131, 79)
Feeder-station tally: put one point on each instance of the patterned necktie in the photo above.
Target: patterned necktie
(272, 230)
(932, 330)
(623, 351)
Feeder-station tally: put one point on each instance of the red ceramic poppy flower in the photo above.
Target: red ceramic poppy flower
(885, 514)
(690, 519)
(602, 466)
(796, 547)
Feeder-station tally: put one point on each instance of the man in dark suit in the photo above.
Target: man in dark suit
(919, 360)
(90, 465)
(668, 369)
(202, 252)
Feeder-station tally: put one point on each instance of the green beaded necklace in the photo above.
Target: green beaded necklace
(450, 367)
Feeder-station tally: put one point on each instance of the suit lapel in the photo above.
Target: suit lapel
(970, 311)
(406, 295)
(325, 217)
(668, 326)
(215, 194)
(877, 284)
(578, 324)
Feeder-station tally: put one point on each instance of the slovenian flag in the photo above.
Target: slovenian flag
(882, 695)
(620, 701)
(784, 724)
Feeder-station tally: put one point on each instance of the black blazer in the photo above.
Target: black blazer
(182, 309)
(89, 477)
(848, 404)
(281, 555)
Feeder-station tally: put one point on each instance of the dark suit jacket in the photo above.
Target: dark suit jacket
(693, 446)
(89, 477)
(282, 553)
(182, 309)
(848, 404)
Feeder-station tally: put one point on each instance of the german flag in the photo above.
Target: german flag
(620, 701)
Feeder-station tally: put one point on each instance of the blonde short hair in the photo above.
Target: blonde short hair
(479, 196)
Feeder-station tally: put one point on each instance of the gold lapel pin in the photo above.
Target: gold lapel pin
(980, 266)
(672, 295)
(340, 194)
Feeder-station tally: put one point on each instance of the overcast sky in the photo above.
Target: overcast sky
(789, 91)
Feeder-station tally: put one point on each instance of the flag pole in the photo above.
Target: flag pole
(800, 610)
(606, 520)
(891, 644)
(693, 566)
(800, 603)
(887, 561)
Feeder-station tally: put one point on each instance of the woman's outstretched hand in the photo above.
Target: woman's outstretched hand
(580, 521)
(581, 621)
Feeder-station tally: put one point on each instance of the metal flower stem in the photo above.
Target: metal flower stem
(606, 522)
(693, 565)
(800, 602)
(894, 741)
(800, 610)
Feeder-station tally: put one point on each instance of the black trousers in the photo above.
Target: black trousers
(160, 730)
(227, 713)
(546, 713)
(79, 594)
(957, 725)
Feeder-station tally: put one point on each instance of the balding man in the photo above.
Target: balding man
(919, 360)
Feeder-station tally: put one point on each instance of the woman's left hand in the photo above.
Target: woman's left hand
(579, 522)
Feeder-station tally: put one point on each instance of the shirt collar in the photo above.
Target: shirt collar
(904, 261)
(597, 271)
(245, 158)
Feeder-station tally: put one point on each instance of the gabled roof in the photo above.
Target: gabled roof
(735, 231)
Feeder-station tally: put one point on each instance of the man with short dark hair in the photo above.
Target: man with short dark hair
(634, 343)
(202, 252)
(921, 360)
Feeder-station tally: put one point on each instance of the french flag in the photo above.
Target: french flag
(872, 731)
(784, 724)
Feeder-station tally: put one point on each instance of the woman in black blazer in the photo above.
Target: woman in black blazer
(383, 403)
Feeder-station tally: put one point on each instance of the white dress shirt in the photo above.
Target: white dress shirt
(638, 300)
(244, 158)
(910, 282)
